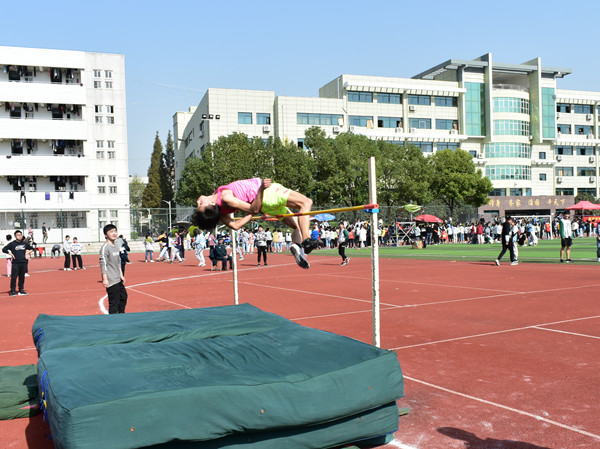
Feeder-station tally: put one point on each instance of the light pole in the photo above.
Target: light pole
(169, 203)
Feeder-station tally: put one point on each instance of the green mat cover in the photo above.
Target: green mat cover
(18, 391)
(53, 331)
(235, 382)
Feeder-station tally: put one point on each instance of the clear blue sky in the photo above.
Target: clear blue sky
(175, 50)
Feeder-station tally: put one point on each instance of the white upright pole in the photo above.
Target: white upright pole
(374, 253)
(236, 299)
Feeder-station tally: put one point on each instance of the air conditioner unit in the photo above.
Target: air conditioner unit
(590, 136)
(559, 158)
(588, 117)
(559, 179)
(352, 128)
(592, 179)
(413, 130)
(337, 129)
(453, 131)
(266, 128)
(399, 130)
(411, 108)
(592, 159)
(201, 133)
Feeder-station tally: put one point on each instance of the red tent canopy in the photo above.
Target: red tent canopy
(428, 218)
(583, 205)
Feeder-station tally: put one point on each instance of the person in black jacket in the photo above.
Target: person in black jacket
(220, 253)
(17, 249)
(507, 242)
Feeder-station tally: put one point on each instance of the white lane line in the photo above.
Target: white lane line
(159, 298)
(17, 350)
(533, 326)
(565, 332)
(510, 409)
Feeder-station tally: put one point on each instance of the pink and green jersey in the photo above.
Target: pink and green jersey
(245, 190)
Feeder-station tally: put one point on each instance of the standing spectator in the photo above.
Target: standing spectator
(507, 243)
(149, 248)
(163, 239)
(362, 236)
(269, 240)
(276, 243)
(76, 254)
(261, 245)
(67, 253)
(566, 236)
(343, 237)
(124, 249)
(479, 231)
(112, 274)
(245, 238)
(351, 238)
(8, 258)
(44, 233)
(17, 250)
(199, 244)
(251, 239)
(288, 240)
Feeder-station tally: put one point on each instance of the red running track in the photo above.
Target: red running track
(494, 357)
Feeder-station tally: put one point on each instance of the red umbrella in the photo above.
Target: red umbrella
(583, 205)
(428, 218)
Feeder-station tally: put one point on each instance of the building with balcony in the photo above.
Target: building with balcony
(63, 143)
(536, 143)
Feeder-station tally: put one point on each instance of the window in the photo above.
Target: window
(563, 129)
(101, 179)
(511, 128)
(563, 171)
(586, 171)
(587, 191)
(301, 143)
(419, 123)
(320, 119)
(564, 150)
(361, 97)
(98, 109)
(446, 124)
(507, 149)
(584, 151)
(109, 84)
(97, 73)
(112, 179)
(389, 98)
(563, 107)
(101, 189)
(97, 84)
(99, 154)
(263, 118)
(15, 112)
(112, 189)
(565, 192)
(582, 109)
(99, 143)
(110, 120)
(548, 114)
(583, 129)
(447, 146)
(542, 176)
(110, 143)
(475, 109)
(498, 192)
(112, 154)
(425, 147)
(108, 73)
(424, 100)
(98, 119)
(516, 192)
(503, 172)
(389, 122)
(509, 104)
(542, 155)
(101, 214)
(110, 109)
(245, 118)
(360, 120)
(114, 213)
(446, 101)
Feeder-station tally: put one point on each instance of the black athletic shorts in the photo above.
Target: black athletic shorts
(566, 242)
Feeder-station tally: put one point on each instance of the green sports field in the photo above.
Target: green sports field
(583, 251)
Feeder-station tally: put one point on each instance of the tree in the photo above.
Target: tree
(196, 180)
(136, 192)
(152, 196)
(167, 181)
(287, 164)
(456, 180)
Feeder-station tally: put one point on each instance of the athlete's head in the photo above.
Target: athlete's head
(208, 218)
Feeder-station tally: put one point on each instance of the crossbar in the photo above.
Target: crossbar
(326, 211)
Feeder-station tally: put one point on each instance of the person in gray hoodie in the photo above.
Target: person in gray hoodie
(112, 275)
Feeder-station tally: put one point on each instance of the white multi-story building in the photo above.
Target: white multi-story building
(536, 143)
(63, 142)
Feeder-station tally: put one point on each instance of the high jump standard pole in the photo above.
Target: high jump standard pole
(374, 253)
(236, 298)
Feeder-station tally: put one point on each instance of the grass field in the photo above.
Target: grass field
(583, 251)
